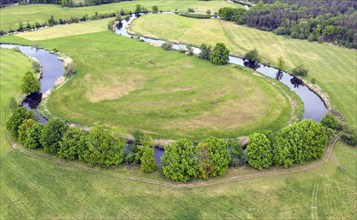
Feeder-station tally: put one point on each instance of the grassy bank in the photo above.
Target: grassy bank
(334, 68)
(12, 15)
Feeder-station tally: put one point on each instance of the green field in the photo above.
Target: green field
(35, 185)
(334, 68)
(10, 16)
(165, 94)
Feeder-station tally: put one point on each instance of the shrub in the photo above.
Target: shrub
(155, 9)
(191, 10)
(179, 162)
(236, 152)
(259, 151)
(148, 163)
(329, 121)
(52, 134)
(252, 56)
(300, 71)
(213, 157)
(18, 116)
(219, 55)
(69, 67)
(167, 46)
(30, 83)
(70, 144)
(350, 135)
(36, 66)
(205, 51)
(24, 129)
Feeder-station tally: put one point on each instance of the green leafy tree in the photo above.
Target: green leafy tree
(252, 56)
(148, 163)
(69, 145)
(138, 9)
(213, 157)
(155, 9)
(299, 143)
(104, 148)
(329, 121)
(52, 134)
(219, 55)
(281, 63)
(30, 83)
(179, 162)
(205, 51)
(34, 136)
(259, 151)
(18, 116)
(300, 71)
(24, 129)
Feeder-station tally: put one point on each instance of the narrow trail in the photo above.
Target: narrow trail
(69, 165)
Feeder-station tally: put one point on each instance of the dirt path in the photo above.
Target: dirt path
(315, 164)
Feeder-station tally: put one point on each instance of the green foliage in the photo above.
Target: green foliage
(219, 55)
(329, 121)
(300, 71)
(349, 135)
(167, 46)
(148, 163)
(252, 56)
(17, 117)
(103, 148)
(205, 51)
(179, 162)
(36, 66)
(52, 134)
(236, 152)
(30, 83)
(259, 151)
(232, 14)
(13, 103)
(34, 136)
(24, 129)
(281, 63)
(70, 144)
(213, 157)
(155, 9)
(299, 143)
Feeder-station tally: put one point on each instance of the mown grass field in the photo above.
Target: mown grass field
(12, 15)
(334, 68)
(131, 85)
(43, 187)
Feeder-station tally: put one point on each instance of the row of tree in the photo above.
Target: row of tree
(315, 20)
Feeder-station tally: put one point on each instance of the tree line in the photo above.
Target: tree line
(64, 3)
(315, 20)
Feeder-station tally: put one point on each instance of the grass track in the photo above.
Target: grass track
(10, 16)
(334, 68)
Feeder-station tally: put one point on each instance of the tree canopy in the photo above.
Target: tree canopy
(17, 117)
(52, 134)
(30, 83)
(219, 55)
(259, 151)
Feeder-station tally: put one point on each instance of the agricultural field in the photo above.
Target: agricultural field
(334, 68)
(12, 15)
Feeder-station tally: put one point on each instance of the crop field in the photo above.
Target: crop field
(165, 94)
(334, 68)
(12, 15)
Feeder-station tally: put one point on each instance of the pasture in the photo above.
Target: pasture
(334, 68)
(131, 85)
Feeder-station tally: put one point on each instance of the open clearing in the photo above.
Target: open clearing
(166, 94)
(10, 16)
(334, 68)
(67, 30)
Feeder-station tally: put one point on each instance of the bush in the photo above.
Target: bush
(329, 121)
(259, 151)
(155, 9)
(350, 135)
(69, 67)
(148, 163)
(179, 162)
(70, 144)
(36, 66)
(167, 46)
(252, 56)
(24, 129)
(191, 10)
(30, 83)
(205, 51)
(219, 55)
(18, 116)
(236, 153)
(213, 157)
(300, 71)
(52, 134)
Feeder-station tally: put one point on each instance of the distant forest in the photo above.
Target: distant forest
(66, 3)
(316, 20)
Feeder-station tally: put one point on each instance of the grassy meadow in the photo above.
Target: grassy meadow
(13, 14)
(128, 84)
(334, 68)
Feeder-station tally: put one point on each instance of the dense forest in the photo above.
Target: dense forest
(315, 20)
